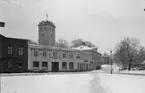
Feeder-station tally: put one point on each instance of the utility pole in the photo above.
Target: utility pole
(111, 62)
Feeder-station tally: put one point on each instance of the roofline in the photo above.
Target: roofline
(50, 47)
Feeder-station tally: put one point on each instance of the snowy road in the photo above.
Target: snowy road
(92, 82)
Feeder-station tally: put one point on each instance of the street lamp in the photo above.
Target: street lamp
(110, 58)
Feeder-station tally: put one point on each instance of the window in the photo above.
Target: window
(36, 64)
(64, 65)
(20, 51)
(54, 54)
(35, 53)
(10, 50)
(71, 65)
(64, 55)
(20, 64)
(9, 64)
(44, 64)
(44, 54)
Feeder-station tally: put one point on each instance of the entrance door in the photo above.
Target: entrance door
(55, 66)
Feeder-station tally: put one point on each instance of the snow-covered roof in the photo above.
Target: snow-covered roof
(83, 48)
(50, 47)
(32, 42)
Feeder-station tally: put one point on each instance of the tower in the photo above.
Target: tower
(46, 33)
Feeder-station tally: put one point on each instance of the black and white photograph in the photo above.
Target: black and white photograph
(72, 46)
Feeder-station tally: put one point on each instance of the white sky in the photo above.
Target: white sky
(103, 22)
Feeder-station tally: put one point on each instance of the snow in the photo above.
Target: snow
(134, 72)
(92, 82)
(124, 83)
(83, 48)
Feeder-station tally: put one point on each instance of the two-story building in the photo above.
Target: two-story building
(50, 58)
(13, 54)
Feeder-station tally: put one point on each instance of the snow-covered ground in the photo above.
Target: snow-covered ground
(91, 82)
(115, 68)
(124, 83)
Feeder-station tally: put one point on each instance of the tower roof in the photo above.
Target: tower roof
(46, 23)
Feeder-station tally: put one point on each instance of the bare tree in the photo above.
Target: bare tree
(89, 44)
(79, 42)
(126, 51)
(62, 43)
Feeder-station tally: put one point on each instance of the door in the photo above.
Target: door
(55, 66)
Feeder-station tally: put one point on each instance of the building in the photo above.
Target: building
(85, 61)
(96, 56)
(46, 33)
(47, 58)
(13, 54)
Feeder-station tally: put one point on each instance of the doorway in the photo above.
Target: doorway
(55, 66)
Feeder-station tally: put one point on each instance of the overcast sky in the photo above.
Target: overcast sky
(103, 22)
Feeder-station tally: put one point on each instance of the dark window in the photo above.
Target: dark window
(9, 64)
(36, 64)
(64, 65)
(44, 54)
(10, 50)
(64, 55)
(35, 53)
(20, 64)
(71, 65)
(20, 51)
(44, 64)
